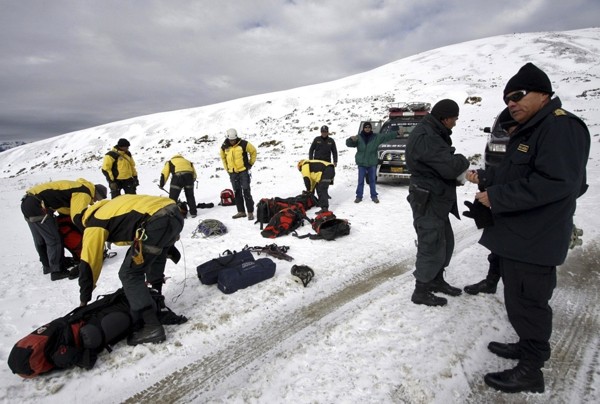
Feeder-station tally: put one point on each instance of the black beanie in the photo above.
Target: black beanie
(445, 109)
(530, 78)
(123, 143)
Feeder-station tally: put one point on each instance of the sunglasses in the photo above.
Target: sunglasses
(367, 127)
(516, 96)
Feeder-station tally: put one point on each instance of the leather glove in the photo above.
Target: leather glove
(113, 186)
(480, 213)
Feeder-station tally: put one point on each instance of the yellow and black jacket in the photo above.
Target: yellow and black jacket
(115, 221)
(239, 157)
(118, 165)
(312, 171)
(177, 165)
(65, 197)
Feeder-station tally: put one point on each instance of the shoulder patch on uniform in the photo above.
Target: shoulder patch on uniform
(523, 148)
(559, 112)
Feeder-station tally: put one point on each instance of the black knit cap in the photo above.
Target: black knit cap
(530, 78)
(445, 109)
(123, 143)
(324, 128)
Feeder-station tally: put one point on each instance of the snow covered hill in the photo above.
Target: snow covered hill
(352, 335)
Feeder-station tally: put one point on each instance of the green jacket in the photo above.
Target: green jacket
(366, 152)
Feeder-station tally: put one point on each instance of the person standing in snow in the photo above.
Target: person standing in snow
(238, 157)
(150, 225)
(532, 194)
(318, 176)
(366, 143)
(323, 147)
(119, 169)
(435, 169)
(38, 207)
(183, 176)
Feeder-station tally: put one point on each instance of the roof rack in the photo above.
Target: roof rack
(409, 107)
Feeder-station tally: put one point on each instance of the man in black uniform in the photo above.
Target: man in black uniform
(532, 195)
(434, 169)
(323, 147)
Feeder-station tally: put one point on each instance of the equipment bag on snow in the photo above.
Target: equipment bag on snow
(284, 222)
(227, 197)
(246, 274)
(208, 272)
(306, 199)
(77, 338)
(328, 227)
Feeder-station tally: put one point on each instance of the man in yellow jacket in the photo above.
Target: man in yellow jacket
(318, 176)
(38, 207)
(150, 225)
(119, 169)
(238, 157)
(183, 176)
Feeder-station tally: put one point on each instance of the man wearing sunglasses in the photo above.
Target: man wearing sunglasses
(532, 194)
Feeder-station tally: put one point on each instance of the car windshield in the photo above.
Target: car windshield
(402, 127)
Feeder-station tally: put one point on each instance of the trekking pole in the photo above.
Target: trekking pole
(159, 187)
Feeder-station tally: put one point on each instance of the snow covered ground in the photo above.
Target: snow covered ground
(352, 335)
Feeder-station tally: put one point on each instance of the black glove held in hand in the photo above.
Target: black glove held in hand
(480, 213)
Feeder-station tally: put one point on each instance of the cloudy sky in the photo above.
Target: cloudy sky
(72, 64)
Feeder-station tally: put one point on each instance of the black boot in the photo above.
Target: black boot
(152, 331)
(58, 275)
(508, 350)
(484, 286)
(524, 377)
(438, 284)
(423, 295)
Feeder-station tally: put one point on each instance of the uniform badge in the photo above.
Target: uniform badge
(559, 112)
(523, 148)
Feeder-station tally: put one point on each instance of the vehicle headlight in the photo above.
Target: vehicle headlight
(389, 157)
(498, 148)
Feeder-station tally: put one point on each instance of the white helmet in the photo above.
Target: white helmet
(232, 134)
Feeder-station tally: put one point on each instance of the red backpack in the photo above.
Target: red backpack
(284, 222)
(227, 197)
(71, 235)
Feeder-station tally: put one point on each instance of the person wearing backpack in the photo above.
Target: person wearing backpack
(150, 225)
(323, 147)
(38, 207)
(366, 143)
(238, 157)
(318, 175)
(183, 177)
(119, 169)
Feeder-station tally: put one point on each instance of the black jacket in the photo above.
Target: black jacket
(322, 149)
(533, 191)
(433, 164)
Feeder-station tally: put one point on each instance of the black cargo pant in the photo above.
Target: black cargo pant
(184, 181)
(527, 292)
(44, 230)
(162, 231)
(322, 187)
(240, 182)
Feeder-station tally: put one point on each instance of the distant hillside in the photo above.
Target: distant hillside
(10, 144)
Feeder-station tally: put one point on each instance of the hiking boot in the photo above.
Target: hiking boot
(58, 275)
(74, 273)
(250, 216)
(376, 200)
(523, 377)
(238, 215)
(438, 284)
(358, 200)
(153, 333)
(422, 295)
(484, 286)
(323, 210)
(508, 350)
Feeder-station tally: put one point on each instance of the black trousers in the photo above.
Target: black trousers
(322, 187)
(185, 182)
(527, 292)
(240, 182)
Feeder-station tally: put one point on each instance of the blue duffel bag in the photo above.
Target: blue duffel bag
(246, 274)
(209, 271)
